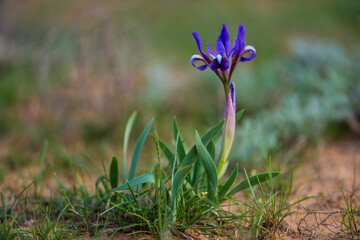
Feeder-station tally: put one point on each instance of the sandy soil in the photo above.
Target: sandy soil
(334, 166)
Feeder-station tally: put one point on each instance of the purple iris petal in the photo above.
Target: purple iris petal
(215, 65)
(220, 48)
(221, 63)
(252, 54)
(225, 64)
(210, 51)
(238, 48)
(225, 39)
(198, 42)
(197, 58)
(239, 43)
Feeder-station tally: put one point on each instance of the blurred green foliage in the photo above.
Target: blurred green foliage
(73, 71)
(323, 94)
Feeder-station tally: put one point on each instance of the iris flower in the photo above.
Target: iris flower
(223, 62)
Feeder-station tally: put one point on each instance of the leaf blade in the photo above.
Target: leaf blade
(128, 129)
(180, 148)
(224, 189)
(145, 178)
(137, 150)
(209, 167)
(114, 173)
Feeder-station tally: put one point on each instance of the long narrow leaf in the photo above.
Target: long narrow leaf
(114, 173)
(179, 177)
(145, 178)
(181, 150)
(198, 168)
(251, 181)
(128, 128)
(137, 150)
(198, 172)
(224, 189)
(239, 115)
(209, 167)
(167, 152)
(211, 149)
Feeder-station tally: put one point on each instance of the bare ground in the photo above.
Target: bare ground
(334, 166)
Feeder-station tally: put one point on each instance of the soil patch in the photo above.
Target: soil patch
(334, 168)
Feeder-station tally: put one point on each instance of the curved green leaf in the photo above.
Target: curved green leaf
(145, 178)
(198, 172)
(128, 128)
(239, 115)
(211, 149)
(178, 178)
(224, 189)
(114, 173)
(137, 150)
(209, 167)
(167, 152)
(180, 148)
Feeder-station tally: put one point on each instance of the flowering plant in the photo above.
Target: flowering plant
(189, 187)
(223, 63)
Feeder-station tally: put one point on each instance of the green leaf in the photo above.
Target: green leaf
(187, 164)
(128, 128)
(198, 168)
(253, 180)
(211, 149)
(197, 173)
(180, 148)
(179, 177)
(224, 189)
(137, 150)
(167, 152)
(209, 167)
(114, 173)
(145, 178)
(192, 154)
(239, 115)
(102, 180)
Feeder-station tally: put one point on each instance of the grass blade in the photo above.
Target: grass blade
(137, 150)
(251, 181)
(128, 128)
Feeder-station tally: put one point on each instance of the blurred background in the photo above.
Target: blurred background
(72, 72)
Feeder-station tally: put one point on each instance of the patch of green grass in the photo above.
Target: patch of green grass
(350, 223)
(269, 205)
